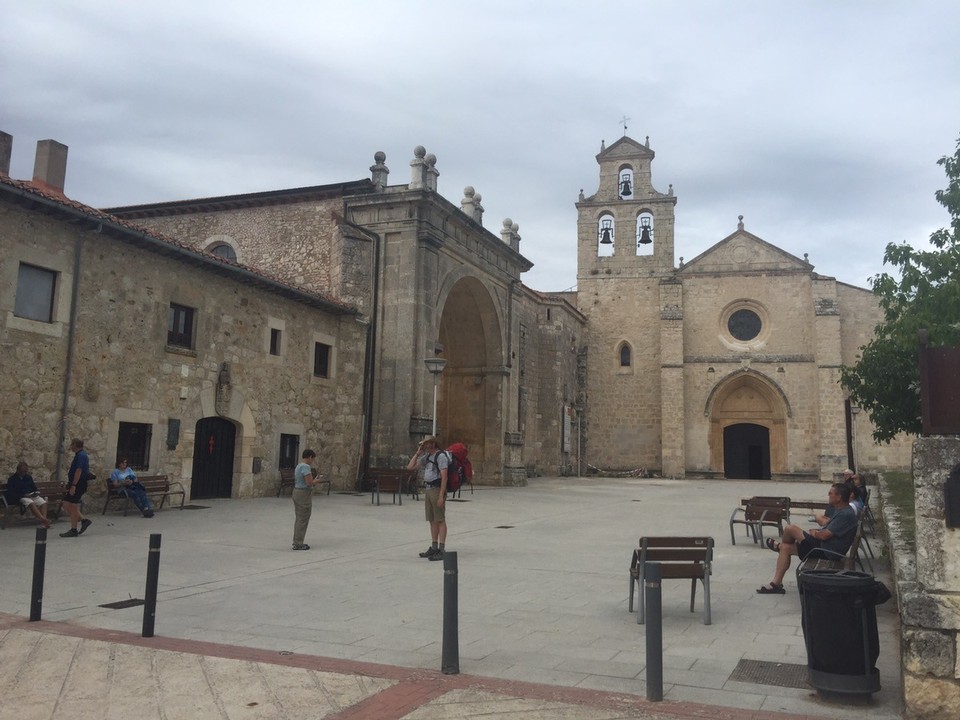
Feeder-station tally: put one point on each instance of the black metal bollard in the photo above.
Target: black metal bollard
(450, 662)
(652, 597)
(39, 563)
(150, 593)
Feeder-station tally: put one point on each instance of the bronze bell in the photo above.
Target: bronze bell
(605, 238)
(645, 236)
(625, 188)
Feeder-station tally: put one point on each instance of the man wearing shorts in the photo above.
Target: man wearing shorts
(77, 477)
(434, 462)
(836, 536)
(23, 491)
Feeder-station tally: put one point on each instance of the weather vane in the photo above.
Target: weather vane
(623, 121)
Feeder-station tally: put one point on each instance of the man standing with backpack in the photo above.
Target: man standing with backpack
(434, 462)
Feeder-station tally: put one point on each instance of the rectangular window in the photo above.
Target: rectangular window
(274, 341)
(36, 292)
(321, 360)
(289, 451)
(180, 326)
(133, 443)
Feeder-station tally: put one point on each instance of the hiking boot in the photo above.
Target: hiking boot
(84, 524)
(438, 555)
(429, 552)
(72, 532)
(148, 513)
(300, 546)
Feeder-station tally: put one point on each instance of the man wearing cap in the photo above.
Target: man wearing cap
(434, 463)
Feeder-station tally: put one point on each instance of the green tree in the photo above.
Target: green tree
(886, 380)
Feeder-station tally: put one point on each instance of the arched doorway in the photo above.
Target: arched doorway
(213, 459)
(746, 451)
(748, 415)
(469, 400)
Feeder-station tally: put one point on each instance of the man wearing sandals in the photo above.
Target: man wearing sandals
(836, 536)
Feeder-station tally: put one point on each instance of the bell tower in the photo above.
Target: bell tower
(626, 227)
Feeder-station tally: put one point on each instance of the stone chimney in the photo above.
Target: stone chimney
(6, 148)
(50, 166)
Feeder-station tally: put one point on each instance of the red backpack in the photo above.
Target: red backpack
(459, 468)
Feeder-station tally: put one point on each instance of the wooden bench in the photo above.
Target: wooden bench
(51, 490)
(679, 557)
(390, 480)
(154, 485)
(820, 559)
(760, 511)
(286, 481)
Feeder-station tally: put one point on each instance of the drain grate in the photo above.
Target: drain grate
(120, 604)
(504, 527)
(196, 507)
(762, 672)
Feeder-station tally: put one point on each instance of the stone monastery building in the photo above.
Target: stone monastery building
(213, 339)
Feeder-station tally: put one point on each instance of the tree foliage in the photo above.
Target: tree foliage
(886, 380)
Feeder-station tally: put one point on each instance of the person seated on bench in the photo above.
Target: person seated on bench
(836, 536)
(21, 490)
(123, 478)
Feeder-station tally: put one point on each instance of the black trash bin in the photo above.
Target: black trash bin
(839, 619)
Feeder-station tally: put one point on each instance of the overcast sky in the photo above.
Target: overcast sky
(820, 122)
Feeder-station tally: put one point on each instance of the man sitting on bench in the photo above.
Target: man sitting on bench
(836, 536)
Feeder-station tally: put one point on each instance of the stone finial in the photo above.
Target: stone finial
(466, 204)
(418, 168)
(739, 222)
(581, 198)
(478, 208)
(647, 143)
(379, 171)
(806, 258)
(603, 145)
(670, 190)
(432, 173)
(510, 234)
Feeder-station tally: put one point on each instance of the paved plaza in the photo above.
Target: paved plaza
(353, 627)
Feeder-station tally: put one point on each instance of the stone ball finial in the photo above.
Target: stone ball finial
(431, 159)
(514, 227)
(507, 223)
(419, 151)
(379, 156)
(478, 197)
(468, 191)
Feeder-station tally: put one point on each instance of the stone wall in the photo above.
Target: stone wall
(122, 369)
(929, 589)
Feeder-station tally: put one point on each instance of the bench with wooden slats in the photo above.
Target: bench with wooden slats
(286, 481)
(50, 489)
(679, 557)
(154, 485)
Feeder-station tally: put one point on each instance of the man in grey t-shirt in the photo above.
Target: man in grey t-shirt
(434, 462)
(835, 536)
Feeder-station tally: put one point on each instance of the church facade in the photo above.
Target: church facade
(724, 366)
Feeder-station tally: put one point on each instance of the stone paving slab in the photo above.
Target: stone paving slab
(543, 601)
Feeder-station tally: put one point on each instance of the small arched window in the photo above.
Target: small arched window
(606, 234)
(225, 251)
(625, 355)
(625, 189)
(645, 236)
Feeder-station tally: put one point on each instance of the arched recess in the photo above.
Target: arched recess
(748, 398)
(469, 402)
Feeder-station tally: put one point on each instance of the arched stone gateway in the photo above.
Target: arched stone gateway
(748, 415)
(472, 385)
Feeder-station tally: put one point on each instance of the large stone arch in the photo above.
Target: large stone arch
(747, 397)
(469, 405)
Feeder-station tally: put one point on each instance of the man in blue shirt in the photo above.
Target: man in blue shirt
(77, 478)
(836, 536)
(23, 491)
(303, 480)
